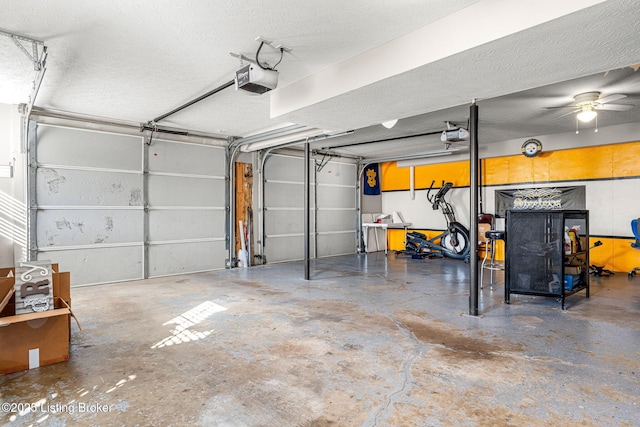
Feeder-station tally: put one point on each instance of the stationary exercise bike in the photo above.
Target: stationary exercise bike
(453, 242)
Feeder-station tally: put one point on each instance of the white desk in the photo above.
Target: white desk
(385, 227)
(365, 235)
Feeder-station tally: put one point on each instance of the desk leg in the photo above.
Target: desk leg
(375, 232)
(365, 236)
(386, 239)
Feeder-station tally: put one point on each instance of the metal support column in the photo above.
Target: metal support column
(145, 201)
(473, 234)
(307, 213)
(315, 209)
(359, 248)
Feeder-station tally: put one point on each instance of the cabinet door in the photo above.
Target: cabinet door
(534, 252)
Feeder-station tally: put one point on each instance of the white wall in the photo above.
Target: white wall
(419, 211)
(371, 204)
(12, 200)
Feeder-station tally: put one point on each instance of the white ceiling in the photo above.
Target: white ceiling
(354, 63)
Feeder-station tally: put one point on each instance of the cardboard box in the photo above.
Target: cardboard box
(7, 300)
(34, 339)
(62, 288)
(573, 270)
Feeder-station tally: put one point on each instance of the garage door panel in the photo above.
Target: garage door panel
(279, 249)
(189, 159)
(284, 222)
(185, 191)
(278, 195)
(82, 148)
(181, 258)
(186, 224)
(98, 264)
(64, 187)
(336, 197)
(284, 168)
(336, 173)
(336, 220)
(61, 227)
(336, 244)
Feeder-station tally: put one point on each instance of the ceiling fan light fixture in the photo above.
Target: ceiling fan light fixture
(587, 113)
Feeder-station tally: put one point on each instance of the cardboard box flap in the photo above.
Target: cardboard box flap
(5, 301)
(70, 312)
(62, 286)
(6, 321)
(6, 285)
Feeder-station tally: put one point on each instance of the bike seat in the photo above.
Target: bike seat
(495, 234)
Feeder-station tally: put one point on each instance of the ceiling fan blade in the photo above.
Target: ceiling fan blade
(568, 114)
(564, 106)
(615, 107)
(610, 98)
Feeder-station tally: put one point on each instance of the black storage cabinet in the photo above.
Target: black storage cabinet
(536, 263)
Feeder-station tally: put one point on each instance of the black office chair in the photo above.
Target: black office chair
(636, 244)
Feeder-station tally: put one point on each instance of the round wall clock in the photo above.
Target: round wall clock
(531, 147)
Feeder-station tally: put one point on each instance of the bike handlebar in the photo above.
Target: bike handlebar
(439, 196)
(429, 198)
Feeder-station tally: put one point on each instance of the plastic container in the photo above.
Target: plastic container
(574, 236)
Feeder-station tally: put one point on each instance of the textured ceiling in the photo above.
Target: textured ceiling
(133, 61)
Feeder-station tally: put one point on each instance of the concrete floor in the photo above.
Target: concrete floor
(368, 341)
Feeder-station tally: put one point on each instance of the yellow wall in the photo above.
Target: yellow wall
(395, 178)
(613, 161)
(601, 162)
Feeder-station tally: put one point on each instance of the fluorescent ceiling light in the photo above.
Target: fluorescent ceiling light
(274, 128)
(420, 159)
(389, 123)
(280, 140)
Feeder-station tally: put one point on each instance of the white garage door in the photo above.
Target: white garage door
(336, 213)
(89, 214)
(332, 191)
(186, 208)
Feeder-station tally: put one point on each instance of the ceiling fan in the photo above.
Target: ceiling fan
(586, 104)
